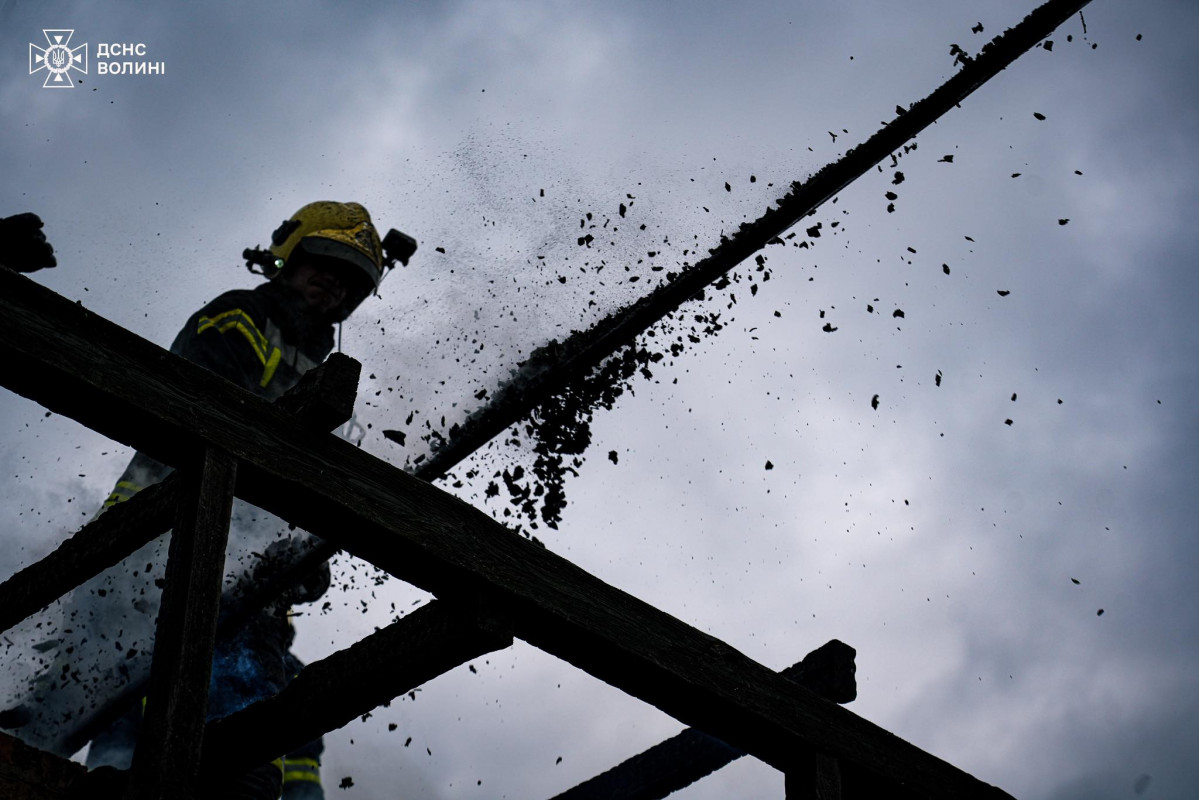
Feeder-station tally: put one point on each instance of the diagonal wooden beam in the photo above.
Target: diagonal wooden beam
(575, 356)
(83, 366)
(98, 545)
(329, 693)
(692, 754)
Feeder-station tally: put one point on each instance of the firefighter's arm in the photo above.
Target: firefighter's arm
(226, 336)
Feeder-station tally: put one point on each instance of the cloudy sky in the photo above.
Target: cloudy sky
(967, 559)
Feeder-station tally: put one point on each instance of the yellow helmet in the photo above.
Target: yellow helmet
(342, 231)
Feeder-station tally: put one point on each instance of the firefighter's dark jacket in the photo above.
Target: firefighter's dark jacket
(263, 340)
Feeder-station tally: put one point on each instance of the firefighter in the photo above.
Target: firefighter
(323, 262)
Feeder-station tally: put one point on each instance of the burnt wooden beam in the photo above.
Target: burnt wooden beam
(27, 773)
(98, 545)
(330, 693)
(76, 363)
(583, 351)
(818, 777)
(166, 762)
(692, 754)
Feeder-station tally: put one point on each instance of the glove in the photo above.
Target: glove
(23, 246)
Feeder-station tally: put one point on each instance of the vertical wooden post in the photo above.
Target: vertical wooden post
(816, 777)
(166, 762)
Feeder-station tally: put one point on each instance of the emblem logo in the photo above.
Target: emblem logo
(58, 59)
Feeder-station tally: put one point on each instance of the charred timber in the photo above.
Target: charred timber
(331, 692)
(166, 763)
(27, 773)
(682, 760)
(100, 544)
(78, 364)
(564, 362)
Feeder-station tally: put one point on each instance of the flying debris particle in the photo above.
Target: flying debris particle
(586, 240)
(613, 456)
(623, 209)
(1138, 39)
(1038, 115)
(1003, 292)
(559, 761)
(898, 179)
(1078, 172)
(874, 402)
(891, 196)
(769, 465)
(1017, 174)
(948, 159)
(1007, 422)
(977, 28)
(937, 378)
(727, 188)
(346, 783)
(814, 231)
(968, 239)
(897, 313)
(828, 327)
(1075, 581)
(753, 178)
(440, 250)
(395, 436)
(1013, 397)
(1048, 45)
(391, 726)
(1099, 613)
(408, 741)
(945, 268)
(1063, 221)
